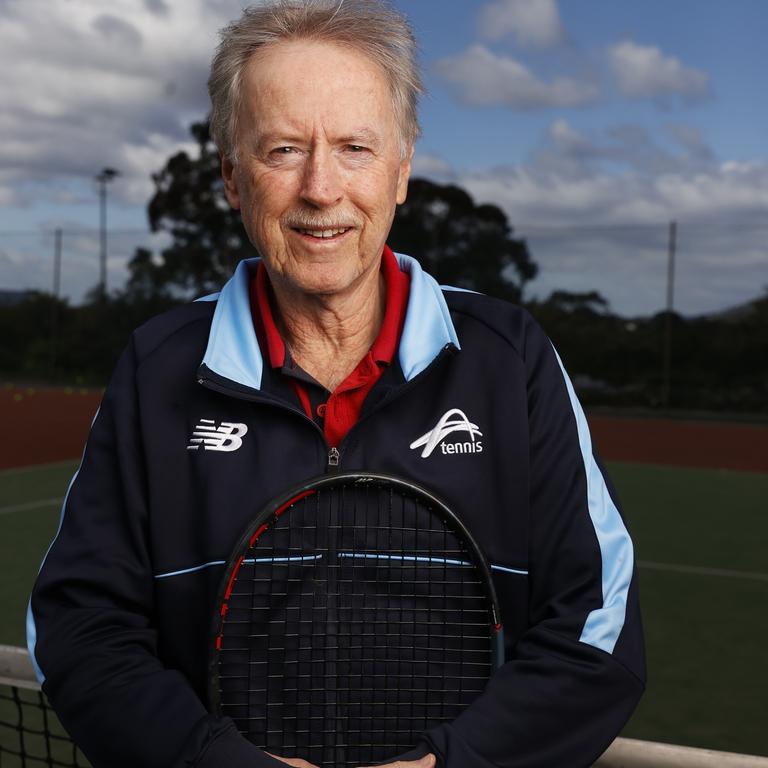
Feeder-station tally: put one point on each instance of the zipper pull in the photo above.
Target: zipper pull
(333, 457)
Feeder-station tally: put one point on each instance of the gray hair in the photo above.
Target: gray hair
(371, 27)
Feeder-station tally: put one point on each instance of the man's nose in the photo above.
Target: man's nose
(321, 184)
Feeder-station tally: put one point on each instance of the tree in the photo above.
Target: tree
(460, 243)
(208, 239)
(570, 302)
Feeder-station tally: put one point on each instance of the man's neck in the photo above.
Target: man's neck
(329, 335)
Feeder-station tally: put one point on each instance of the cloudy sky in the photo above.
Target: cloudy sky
(592, 123)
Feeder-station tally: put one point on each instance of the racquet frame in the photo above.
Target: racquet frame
(273, 510)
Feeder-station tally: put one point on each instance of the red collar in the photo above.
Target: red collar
(383, 349)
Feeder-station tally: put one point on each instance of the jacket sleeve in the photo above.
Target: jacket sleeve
(577, 673)
(90, 628)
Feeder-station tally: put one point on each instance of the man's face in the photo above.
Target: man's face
(319, 167)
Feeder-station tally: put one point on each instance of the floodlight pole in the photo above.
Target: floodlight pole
(102, 179)
(57, 262)
(668, 319)
(55, 300)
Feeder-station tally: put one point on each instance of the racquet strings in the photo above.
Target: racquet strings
(355, 622)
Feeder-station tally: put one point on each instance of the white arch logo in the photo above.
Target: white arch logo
(450, 422)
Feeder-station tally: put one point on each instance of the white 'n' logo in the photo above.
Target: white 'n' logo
(451, 421)
(227, 437)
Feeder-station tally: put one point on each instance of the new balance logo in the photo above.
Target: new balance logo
(450, 422)
(227, 437)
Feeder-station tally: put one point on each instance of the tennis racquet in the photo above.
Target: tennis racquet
(355, 613)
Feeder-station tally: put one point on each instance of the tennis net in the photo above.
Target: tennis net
(32, 736)
(30, 733)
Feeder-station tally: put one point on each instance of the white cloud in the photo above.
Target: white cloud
(140, 161)
(568, 139)
(482, 78)
(595, 211)
(10, 196)
(643, 71)
(530, 22)
(609, 234)
(622, 177)
(432, 166)
(607, 199)
(92, 88)
(569, 152)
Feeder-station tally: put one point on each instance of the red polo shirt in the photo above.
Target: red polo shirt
(335, 411)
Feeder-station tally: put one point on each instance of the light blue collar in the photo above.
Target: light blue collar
(233, 350)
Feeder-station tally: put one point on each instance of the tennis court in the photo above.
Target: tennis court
(701, 537)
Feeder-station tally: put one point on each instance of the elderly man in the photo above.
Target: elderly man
(331, 351)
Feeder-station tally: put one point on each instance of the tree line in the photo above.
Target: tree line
(718, 363)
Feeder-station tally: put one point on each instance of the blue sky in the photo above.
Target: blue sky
(592, 123)
(726, 40)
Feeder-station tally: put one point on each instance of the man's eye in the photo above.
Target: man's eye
(288, 150)
(356, 148)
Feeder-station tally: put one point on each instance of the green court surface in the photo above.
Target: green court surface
(701, 538)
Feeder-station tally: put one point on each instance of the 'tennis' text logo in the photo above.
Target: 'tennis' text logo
(450, 422)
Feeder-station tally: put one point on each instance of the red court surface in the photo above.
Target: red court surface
(677, 442)
(44, 425)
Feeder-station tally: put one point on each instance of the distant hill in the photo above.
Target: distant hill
(739, 312)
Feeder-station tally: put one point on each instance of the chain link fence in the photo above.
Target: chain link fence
(720, 264)
(65, 262)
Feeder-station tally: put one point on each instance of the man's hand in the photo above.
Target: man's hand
(428, 761)
(296, 762)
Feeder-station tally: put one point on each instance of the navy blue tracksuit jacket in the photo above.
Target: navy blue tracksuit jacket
(120, 617)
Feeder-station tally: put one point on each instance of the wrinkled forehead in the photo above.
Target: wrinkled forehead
(305, 84)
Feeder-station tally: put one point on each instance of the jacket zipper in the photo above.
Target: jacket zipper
(333, 453)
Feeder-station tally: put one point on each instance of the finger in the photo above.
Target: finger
(428, 761)
(294, 762)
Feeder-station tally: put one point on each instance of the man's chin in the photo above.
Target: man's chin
(325, 280)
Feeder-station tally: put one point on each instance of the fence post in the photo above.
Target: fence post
(55, 302)
(667, 373)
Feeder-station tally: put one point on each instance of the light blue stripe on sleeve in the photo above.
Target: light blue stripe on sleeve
(31, 626)
(603, 625)
(246, 561)
(518, 571)
(193, 569)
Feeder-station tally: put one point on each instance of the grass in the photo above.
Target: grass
(705, 632)
(24, 538)
(714, 518)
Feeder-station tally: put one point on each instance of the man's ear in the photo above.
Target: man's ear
(230, 182)
(403, 176)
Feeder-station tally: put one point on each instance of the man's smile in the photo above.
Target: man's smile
(326, 236)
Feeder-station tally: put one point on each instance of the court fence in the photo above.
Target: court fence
(31, 735)
(715, 265)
